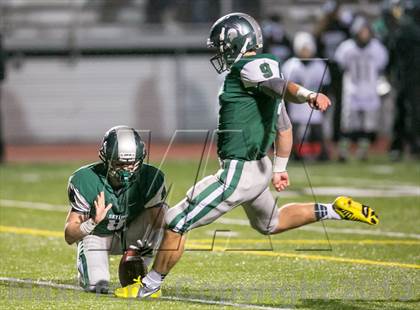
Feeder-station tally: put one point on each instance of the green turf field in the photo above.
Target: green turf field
(367, 268)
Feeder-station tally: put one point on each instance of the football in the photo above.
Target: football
(131, 266)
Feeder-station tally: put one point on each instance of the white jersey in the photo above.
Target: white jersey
(308, 74)
(361, 72)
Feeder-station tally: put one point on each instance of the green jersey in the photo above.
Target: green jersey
(145, 191)
(247, 116)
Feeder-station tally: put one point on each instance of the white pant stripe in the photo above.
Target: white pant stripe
(217, 192)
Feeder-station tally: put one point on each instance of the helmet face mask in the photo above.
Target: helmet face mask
(218, 64)
(233, 35)
(122, 152)
(223, 58)
(123, 172)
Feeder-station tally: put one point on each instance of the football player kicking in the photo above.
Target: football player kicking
(248, 124)
(115, 203)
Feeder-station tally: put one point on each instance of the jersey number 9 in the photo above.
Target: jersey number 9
(266, 70)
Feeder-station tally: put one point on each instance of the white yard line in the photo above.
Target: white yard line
(33, 205)
(225, 221)
(172, 298)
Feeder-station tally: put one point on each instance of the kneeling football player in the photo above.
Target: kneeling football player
(117, 207)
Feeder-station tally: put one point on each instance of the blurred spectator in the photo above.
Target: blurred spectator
(330, 32)
(276, 41)
(385, 29)
(2, 78)
(407, 51)
(312, 74)
(362, 58)
(332, 29)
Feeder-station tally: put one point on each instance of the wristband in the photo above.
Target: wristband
(87, 227)
(303, 94)
(280, 164)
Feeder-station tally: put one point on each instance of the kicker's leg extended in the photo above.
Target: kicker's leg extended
(266, 218)
(294, 215)
(343, 208)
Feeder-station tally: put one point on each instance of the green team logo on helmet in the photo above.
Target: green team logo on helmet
(233, 35)
(123, 152)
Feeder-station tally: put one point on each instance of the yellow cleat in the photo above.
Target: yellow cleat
(132, 290)
(352, 210)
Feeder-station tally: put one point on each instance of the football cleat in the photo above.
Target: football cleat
(352, 210)
(146, 292)
(137, 289)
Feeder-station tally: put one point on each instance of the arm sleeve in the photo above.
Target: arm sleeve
(78, 203)
(274, 87)
(157, 192)
(259, 70)
(283, 120)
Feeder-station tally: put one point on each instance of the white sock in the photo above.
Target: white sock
(325, 211)
(153, 279)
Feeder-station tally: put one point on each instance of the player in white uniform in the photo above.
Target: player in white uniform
(362, 58)
(304, 70)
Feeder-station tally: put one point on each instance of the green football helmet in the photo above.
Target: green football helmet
(233, 35)
(123, 152)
